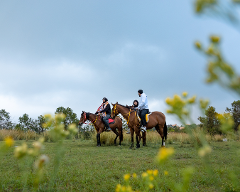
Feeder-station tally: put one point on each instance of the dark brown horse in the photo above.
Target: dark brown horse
(156, 119)
(100, 126)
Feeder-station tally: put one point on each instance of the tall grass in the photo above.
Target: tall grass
(18, 135)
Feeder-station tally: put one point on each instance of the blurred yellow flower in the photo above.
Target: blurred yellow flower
(151, 178)
(198, 45)
(144, 174)
(155, 172)
(165, 172)
(9, 141)
(126, 177)
(150, 172)
(151, 186)
(168, 100)
(164, 153)
(184, 94)
(215, 39)
(192, 100)
(134, 175)
(204, 151)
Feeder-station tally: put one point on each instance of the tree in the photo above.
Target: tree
(26, 123)
(5, 122)
(235, 112)
(70, 116)
(210, 123)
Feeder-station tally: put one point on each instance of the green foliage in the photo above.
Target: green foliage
(210, 123)
(70, 116)
(235, 112)
(5, 122)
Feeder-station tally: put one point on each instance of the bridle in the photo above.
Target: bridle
(129, 113)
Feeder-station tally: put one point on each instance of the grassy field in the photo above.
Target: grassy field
(86, 167)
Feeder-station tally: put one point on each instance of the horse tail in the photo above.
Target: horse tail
(165, 131)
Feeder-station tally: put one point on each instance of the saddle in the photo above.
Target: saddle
(146, 117)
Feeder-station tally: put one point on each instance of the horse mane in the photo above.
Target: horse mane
(126, 106)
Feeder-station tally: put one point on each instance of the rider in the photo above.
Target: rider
(135, 107)
(105, 109)
(143, 109)
(135, 104)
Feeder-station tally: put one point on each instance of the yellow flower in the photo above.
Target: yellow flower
(134, 175)
(118, 187)
(150, 172)
(184, 94)
(165, 172)
(151, 178)
(151, 186)
(21, 151)
(204, 151)
(204, 103)
(198, 45)
(168, 100)
(155, 172)
(72, 128)
(215, 39)
(9, 141)
(144, 174)
(126, 177)
(192, 100)
(164, 153)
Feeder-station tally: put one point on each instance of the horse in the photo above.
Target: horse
(156, 119)
(100, 126)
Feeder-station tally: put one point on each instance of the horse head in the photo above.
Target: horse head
(115, 112)
(83, 118)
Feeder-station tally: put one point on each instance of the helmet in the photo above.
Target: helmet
(105, 98)
(140, 91)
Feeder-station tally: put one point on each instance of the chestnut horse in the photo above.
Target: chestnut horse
(156, 119)
(100, 126)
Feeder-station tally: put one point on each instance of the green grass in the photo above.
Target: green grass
(86, 167)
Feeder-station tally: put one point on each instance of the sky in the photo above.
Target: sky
(74, 53)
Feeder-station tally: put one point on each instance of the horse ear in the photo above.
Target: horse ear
(117, 103)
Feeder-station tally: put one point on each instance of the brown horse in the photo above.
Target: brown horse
(100, 126)
(156, 119)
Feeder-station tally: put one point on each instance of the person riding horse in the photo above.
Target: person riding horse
(143, 109)
(105, 109)
(135, 107)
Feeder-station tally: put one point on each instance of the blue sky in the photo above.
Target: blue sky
(74, 53)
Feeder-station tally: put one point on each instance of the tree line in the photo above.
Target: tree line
(25, 123)
(211, 123)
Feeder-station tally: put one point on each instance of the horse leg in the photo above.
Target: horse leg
(160, 131)
(132, 140)
(144, 138)
(98, 140)
(137, 139)
(117, 134)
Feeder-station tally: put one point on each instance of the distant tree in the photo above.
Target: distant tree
(210, 123)
(235, 112)
(5, 122)
(70, 116)
(40, 122)
(26, 123)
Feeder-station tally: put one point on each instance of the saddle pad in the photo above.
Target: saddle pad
(111, 121)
